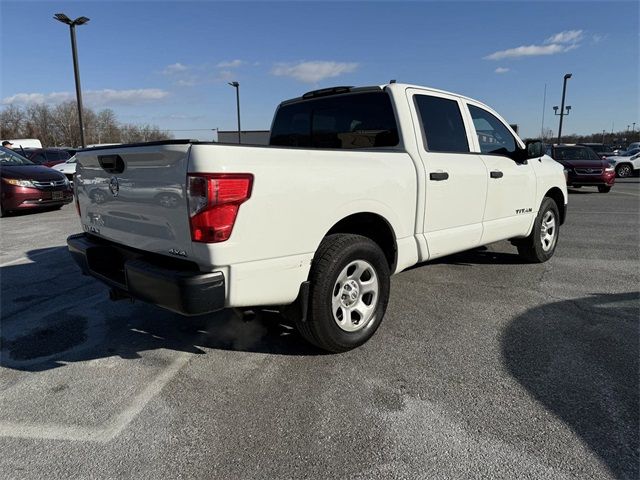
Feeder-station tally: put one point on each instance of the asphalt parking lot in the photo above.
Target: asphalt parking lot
(484, 367)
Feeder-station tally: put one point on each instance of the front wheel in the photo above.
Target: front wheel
(624, 170)
(541, 244)
(604, 189)
(350, 281)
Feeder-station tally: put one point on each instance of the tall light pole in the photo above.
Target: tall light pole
(562, 112)
(61, 17)
(236, 85)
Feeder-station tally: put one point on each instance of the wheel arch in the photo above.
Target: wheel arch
(557, 196)
(374, 227)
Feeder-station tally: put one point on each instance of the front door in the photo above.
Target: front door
(456, 178)
(510, 207)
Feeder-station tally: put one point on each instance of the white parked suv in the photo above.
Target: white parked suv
(68, 168)
(357, 184)
(626, 165)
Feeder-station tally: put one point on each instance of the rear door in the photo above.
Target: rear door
(511, 189)
(456, 178)
(135, 196)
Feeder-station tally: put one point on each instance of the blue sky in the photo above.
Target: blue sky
(168, 63)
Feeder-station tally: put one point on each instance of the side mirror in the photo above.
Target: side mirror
(535, 149)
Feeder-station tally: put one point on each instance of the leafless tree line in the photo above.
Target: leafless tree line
(620, 138)
(58, 126)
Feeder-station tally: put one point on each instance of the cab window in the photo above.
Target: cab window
(442, 126)
(494, 138)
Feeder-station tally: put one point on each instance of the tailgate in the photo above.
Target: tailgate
(135, 196)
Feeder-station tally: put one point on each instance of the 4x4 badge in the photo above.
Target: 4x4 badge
(114, 186)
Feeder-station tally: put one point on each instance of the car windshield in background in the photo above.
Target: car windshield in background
(10, 158)
(575, 154)
(358, 120)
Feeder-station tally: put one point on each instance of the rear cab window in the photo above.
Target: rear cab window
(343, 121)
(442, 125)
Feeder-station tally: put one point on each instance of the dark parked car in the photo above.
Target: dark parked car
(47, 157)
(583, 166)
(25, 185)
(600, 148)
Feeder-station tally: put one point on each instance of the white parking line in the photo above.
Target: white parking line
(109, 429)
(624, 193)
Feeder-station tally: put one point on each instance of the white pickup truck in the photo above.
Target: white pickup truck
(357, 184)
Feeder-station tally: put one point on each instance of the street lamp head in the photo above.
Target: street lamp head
(234, 84)
(568, 107)
(567, 76)
(61, 17)
(555, 108)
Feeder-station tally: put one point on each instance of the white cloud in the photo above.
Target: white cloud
(312, 72)
(231, 64)
(558, 43)
(568, 36)
(224, 76)
(527, 51)
(501, 70)
(174, 68)
(188, 81)
(91, 97)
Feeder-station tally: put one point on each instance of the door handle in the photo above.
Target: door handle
(496, 174)
(438, 176)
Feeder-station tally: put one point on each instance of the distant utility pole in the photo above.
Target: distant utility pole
(603, 137)
(562, 111)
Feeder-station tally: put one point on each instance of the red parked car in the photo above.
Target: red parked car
(583, 167)
(47, 157)
(25, 185)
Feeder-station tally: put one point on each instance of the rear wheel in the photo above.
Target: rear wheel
(604, 189)
(541, 244)
(624, 170)
(349, 293)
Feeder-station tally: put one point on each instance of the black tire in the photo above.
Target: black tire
(624, 170)
(335, 254)
(604, 189)
(531, 248)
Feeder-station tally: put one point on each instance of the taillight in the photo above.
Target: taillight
(214, 200)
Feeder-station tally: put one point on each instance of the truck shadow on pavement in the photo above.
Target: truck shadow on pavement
(580, 359)
(52, 315)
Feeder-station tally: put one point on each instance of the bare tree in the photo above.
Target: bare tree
(58, 126)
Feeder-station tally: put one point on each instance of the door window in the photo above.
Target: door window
(442, 126)
(493, 136)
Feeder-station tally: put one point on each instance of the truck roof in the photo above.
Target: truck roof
(342, 89)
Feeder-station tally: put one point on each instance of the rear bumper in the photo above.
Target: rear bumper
(174, 285)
